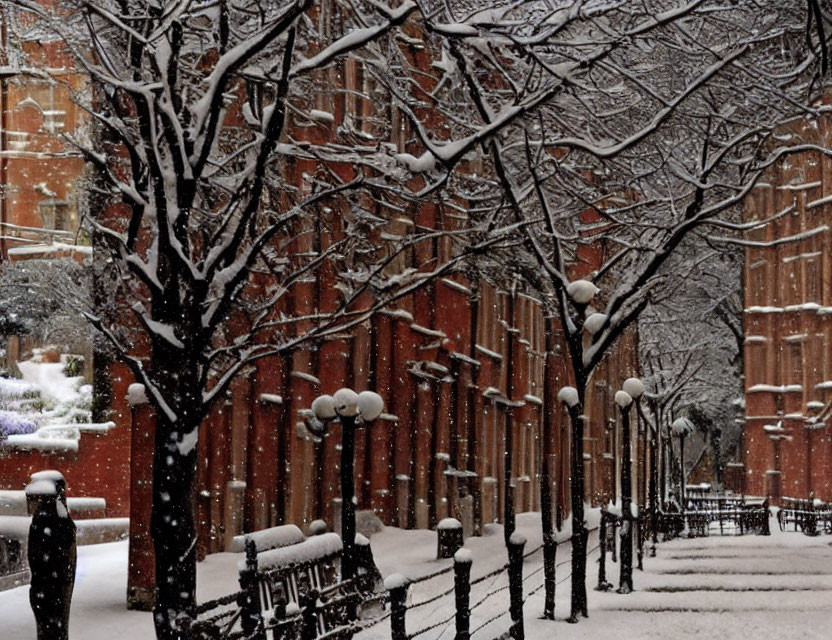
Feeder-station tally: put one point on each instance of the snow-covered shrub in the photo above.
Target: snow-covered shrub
(12, 424)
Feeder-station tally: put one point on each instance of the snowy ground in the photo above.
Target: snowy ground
(718, 587)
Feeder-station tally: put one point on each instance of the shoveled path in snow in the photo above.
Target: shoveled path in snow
(749, 587)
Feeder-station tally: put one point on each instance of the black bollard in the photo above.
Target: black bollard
(462, 593)
(448, 537)
(52, 559)
(515, 585)
(550, 554)
(369, 577)
(396, 585)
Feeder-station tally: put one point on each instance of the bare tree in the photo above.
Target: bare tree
(642, 123)
(695, 334)
(656, 116)
(224, 191)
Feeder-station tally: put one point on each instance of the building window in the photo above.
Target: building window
(55, 214)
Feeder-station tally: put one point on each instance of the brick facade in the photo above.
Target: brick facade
(788, 300)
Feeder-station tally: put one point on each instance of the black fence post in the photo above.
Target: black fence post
(603, 585)
(250, 618)
(396, 585)
(462, 593)
(550, 555)
(516, 543)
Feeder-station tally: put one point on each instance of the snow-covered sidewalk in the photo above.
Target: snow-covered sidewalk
(718, 587)
(98, 603)
(744, 587)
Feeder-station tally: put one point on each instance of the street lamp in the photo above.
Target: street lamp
(653, 482)
(625, 583)
(682, 428)
(635, 389)
(352, 410)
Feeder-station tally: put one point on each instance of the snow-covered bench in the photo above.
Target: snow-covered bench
(289, 582)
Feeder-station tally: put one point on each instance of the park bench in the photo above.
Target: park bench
(290, 589)
(706, 515)
(811, 516)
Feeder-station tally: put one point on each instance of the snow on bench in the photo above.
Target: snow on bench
(265, 539)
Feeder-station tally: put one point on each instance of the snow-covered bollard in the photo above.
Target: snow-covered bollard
(396, 585)
(515, 585)
(52, 559)
(448, 537)
(56, 478)
(365, 561)
(462, 593)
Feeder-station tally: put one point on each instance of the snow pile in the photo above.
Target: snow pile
(47, 409)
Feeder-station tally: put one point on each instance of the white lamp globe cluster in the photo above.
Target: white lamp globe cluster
(348, 404)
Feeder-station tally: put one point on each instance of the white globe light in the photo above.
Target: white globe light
(569, 396)
(370, 405)
(623, 399)
(594, 322)
(346, 402)
(323, 407)
(634, 387)
(582, 291)
(682, 427)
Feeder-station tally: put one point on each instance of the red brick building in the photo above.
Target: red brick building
(458, 364)
(788, 326)
(43, 200)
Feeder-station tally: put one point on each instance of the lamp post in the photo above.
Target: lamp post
(634, 388)
(352, 410)
(682, 428)
(653, 484)
(625, 401)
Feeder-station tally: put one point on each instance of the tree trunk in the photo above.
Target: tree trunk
(173, 524)
(579, 532)
(549, 543)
